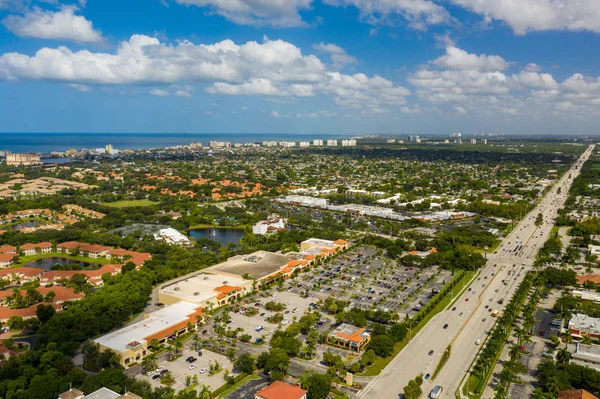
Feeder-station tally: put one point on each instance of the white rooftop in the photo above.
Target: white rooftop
(319, 241)
(103, 393)
(155, 322)
(580, 321)
(201, 287)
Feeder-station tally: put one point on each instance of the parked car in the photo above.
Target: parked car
(431, 352)
(202, 371)
(193, 366)
(156, 377)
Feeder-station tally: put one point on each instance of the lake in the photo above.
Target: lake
(47, 263)
(29, 223)
(222, 236)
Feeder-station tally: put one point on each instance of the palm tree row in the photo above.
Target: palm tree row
(499, 335)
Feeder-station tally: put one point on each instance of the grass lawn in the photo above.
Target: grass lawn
(129, 203)
(23, 260)
(223, 393)
(380, 364)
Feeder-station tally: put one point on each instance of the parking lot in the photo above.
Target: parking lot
(179, 368)
(366, 279)
(296, 306)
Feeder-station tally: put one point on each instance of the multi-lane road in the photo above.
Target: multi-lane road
(469, 318)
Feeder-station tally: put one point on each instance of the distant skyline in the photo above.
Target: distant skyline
(300, 66)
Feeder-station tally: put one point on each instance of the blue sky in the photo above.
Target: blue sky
(300, 66)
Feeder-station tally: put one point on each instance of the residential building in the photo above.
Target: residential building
(131, 343)
(273, 224)
(473, 141)
(90, 250)
(28, 159)
(8, 249)
(39, 248)
(349, 337)
(102, 393)
(19, 275)
(7, 260)
(483, 141)
(281, 390)
(391, 141)
(174, 237)
(349, 143)
(304, 144)
(317, 143)
(26, 313)
(576, 394)
(219, 144)
(332, 143)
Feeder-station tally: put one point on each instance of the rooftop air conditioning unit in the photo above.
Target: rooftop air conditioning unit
(196, 293)
(205, 277)
(225, 282)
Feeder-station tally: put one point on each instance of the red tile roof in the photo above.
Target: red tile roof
(8, 249)
(7, 257)
(44, 244)
(576, 394)
(281, 390)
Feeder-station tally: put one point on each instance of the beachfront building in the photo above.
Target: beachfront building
(131, 343)
(349, 337)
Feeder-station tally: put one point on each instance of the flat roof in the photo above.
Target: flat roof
(580, 321)
(154, 323)
(201, 287)
(258, 264)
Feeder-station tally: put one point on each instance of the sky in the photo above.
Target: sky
(300, 66)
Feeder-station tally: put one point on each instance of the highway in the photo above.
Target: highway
(469, 318)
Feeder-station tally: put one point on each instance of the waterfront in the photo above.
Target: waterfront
(222, 236)
(47, 263)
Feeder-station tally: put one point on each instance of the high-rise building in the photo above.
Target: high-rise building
(109, 148)
(219, 144)
(456, 135)
(195, 146)
(304, 144)
(458, 141)
(28, 159)
(473, 141)
(415, 139)
(483, 141)
(317, 143)
(331, 143)
(349, 143)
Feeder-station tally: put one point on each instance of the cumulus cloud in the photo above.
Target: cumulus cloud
(460, 110)
(58, 25)
(539, 15)
(338, 55)
(182, 93)
(456, 58)
(277, 13)
(159, 92)
(275, 114)
(418, 13)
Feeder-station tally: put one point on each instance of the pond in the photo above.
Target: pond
(29, 223)
(222, 236)
(47, 263)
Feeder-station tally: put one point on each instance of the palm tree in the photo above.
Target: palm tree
(563, 355)
(553, 386)
(205, 393)
(500, 392)
(178, 346)
(149, 362)
(505, 376)
(567, 337)
(514, 353)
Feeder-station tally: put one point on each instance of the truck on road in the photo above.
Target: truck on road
(495, 313)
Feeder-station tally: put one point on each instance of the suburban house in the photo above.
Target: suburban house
(90, 250)
(281, 390)
(21, 274)
(8, 249)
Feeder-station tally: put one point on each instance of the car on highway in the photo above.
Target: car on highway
(484, 319)
(427, 376)
(435, 392)
(454, 308)
(478, 342)
(431, 352)
(460, 314)
(466, 299)
(445, 326)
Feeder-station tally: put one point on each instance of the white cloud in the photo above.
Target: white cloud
(144, 59)
(460, 110)
(533, 79)
(59, 25)
(275, 114)
(412, 110)
(338, 55)
(159, 92)
(532, 68)
(81, 88)
(418, 13)
(456, 58)
(539, 15)
(182, 93)
(277, 13)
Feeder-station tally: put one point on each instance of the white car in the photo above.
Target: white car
(202, 371)
(478, 342)
(193, 366)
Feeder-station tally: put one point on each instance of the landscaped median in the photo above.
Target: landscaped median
(440, 302)
(488, 356)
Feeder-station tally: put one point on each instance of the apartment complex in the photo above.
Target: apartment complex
(28, 159)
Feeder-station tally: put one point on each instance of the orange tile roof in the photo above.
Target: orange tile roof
(8, 249)
(594, 278)
(226, 289)
(413, 253)
(340, 242)
(295, 262)
(7, 257)
(44, 244)
(7, 313)
(221, 295)
(24, 271)
(355, 337)
(281, 390)
(576, 394)
(286, 269)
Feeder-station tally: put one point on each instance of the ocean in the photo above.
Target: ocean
(47, 142)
